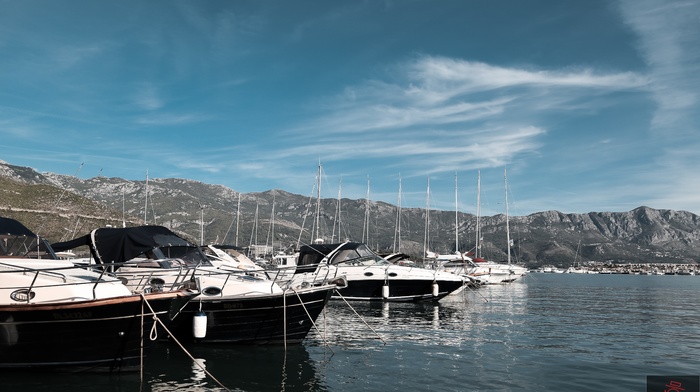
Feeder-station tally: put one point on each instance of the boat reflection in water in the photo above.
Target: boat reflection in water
(239, 367)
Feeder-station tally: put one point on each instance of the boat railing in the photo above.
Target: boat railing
(50, 273)
(287, 276)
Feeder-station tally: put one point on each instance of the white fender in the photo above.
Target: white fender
(199, 325)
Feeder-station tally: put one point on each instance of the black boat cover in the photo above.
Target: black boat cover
(12, 227)
(119, 245)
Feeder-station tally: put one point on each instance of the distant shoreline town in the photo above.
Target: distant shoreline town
(593, 267)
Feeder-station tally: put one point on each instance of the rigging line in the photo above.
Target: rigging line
(306, 214)
(358, 315)
(156, 318)
(65, 189)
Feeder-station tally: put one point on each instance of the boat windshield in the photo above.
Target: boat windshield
(360, 255)
(191, 256)
(25, 246)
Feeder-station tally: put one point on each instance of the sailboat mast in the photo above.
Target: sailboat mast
(456, 218)
(365, 226)
(272, 227)
(238, 216)
(318, 206)
(123, 207)
(201, 225)
(426, 237)
(145, 208)
(478, 214)
(397, 231)
(505, 184)
(337, 211)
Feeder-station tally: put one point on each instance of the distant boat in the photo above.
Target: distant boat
(56, 316)
(373, 278)
(241, 305)
(476, 267)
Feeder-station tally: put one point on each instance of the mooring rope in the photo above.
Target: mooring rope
(312, 320)
(141, 351)
(474, 290)
(201, 366)
(360, 317)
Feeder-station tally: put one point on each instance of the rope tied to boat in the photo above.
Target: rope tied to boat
(201, 366)
(325, 342)
(154, 329)
(360, 317)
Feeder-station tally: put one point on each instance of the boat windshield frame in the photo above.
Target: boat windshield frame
(25, 246)
(359, 256)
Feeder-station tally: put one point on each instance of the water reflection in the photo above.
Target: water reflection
(553, 333)
(247, 368)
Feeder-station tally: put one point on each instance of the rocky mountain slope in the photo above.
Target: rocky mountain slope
(61, 207)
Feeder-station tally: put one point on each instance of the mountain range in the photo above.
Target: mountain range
(62, 207)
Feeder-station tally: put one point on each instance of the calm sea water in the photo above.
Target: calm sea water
(550, 332)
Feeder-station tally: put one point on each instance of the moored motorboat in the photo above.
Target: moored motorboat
(56, 316)
(241, 305)
(371, 277)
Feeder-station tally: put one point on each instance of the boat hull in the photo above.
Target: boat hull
(400, 290)
(101, 335)
(258, 319)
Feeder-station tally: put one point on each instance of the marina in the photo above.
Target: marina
(545, 332)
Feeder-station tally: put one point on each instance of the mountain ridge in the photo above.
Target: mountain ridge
(64, 206)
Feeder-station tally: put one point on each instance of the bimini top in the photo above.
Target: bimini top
(18, 241)
(10, 226)
(119, 245)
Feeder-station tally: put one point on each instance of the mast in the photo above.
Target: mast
(426, 237)
(201, 224)
(337, 211)
(238, 216)
(145, 209)
(365, 226)
(505, 184)
(397, 231)
(123, 208)
(317, 225)
(254, 232)
(456, 218)
(477, 250)
(272, 228)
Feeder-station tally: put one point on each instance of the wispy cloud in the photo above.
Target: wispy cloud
(68, 56)
(669, 33)
(447, 113)
(163, 119)
(147, 97)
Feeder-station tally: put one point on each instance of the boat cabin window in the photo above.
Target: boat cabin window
(191, 256)
(310, 259)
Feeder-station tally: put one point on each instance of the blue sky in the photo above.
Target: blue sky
(591, 105)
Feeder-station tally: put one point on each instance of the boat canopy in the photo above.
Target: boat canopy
(119, 245)
(18, 241)
(10, 226)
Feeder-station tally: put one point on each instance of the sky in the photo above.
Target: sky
(590, 106)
